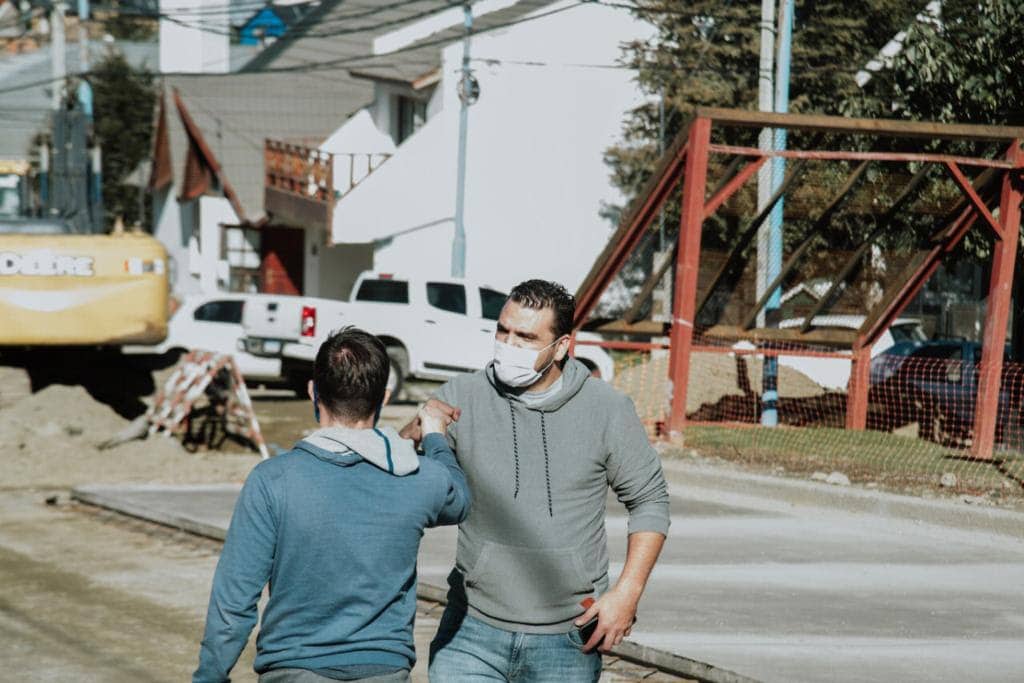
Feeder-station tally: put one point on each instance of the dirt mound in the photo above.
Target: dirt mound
(49, 440)
(715, 379)
(58, 410)
(14, 385)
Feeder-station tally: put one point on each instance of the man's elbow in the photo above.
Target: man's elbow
(652, 515)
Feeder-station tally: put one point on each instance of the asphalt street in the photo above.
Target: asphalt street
(784, 589)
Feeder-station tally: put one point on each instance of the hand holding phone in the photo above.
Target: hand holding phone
(586, 630)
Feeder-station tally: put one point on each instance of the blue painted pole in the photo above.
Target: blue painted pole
(770, 398)
(459, 241)
(84, 89)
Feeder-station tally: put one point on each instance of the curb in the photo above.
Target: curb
(98, 498)
(629, 651)
(953, 514)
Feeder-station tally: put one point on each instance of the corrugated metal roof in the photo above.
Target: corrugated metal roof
(237, 112)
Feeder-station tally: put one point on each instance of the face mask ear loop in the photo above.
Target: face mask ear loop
(548, 366)
(316, 404)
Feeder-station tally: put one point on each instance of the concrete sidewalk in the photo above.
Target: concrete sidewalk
(779, 580)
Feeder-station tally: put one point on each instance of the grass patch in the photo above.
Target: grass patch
(904, 464)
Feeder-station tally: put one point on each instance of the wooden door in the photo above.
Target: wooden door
(281, 261)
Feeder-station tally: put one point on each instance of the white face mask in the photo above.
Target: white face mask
(514, 365)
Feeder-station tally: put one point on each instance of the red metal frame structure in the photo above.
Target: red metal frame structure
(686, 163)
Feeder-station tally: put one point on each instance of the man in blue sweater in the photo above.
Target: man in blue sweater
(334, 527)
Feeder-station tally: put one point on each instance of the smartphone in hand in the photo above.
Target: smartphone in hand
(586, 631)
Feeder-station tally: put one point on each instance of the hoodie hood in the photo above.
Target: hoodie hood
(574, 374)
(380, 446)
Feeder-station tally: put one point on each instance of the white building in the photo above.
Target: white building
(552, 101)
(380, 110)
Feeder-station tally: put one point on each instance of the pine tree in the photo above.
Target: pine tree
(124, 98)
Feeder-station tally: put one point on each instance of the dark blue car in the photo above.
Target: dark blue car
(935, 383)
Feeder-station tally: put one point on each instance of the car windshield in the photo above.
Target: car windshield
(908, 332)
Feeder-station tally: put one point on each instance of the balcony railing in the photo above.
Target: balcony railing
(303, 183)
(299, 184)
(351, 168)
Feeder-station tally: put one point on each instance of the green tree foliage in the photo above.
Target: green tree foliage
(707, 53)
(967, 68)
(126, 21)
(124, 99)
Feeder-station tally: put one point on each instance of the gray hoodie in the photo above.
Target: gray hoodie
(534, 544)
(381, 446)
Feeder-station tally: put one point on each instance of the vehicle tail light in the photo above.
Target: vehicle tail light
(308, 321)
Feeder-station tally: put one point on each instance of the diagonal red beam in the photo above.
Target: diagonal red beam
(912, 285)
(632, 228)
(730, 188)
(968, 189)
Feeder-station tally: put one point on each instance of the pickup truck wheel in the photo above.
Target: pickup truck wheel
(399, 358)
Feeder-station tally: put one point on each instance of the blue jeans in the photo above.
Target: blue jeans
(304, 676)
(467, 649)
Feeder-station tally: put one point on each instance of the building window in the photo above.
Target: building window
(412, 114)
(242, 251)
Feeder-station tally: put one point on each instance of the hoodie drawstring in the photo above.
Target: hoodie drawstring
(547, 459)
(547, 468)
(515, 448)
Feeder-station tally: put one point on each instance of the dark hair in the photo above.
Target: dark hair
(540, 294)
(351, 373)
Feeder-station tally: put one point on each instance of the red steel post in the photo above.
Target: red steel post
(997, 311)
(860, 384)
(687, 264)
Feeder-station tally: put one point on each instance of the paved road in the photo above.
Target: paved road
(786, 593)
(787, 590)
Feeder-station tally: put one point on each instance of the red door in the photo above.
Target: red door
(281, 261)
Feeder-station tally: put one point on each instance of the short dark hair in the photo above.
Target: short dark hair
(351, 373)
(540, 294)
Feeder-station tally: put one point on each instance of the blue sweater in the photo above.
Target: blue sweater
(335, 533)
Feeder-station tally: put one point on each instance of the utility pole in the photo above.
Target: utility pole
(770, 415)
(468, 91)
(84, 89)
(57, 56)
(766, 103)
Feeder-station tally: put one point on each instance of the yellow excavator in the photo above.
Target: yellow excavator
(61, 286)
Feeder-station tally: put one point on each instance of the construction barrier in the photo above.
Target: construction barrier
(213, 377)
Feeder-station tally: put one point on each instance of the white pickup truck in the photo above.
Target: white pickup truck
(433, 328)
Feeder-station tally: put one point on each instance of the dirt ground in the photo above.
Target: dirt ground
(87, 595)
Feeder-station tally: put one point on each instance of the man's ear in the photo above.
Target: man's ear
(309, 390)
(387, 397)
(562, 349)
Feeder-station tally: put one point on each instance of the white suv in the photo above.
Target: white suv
(213, 322)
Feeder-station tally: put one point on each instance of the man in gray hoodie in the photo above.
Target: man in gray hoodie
(541, 441)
